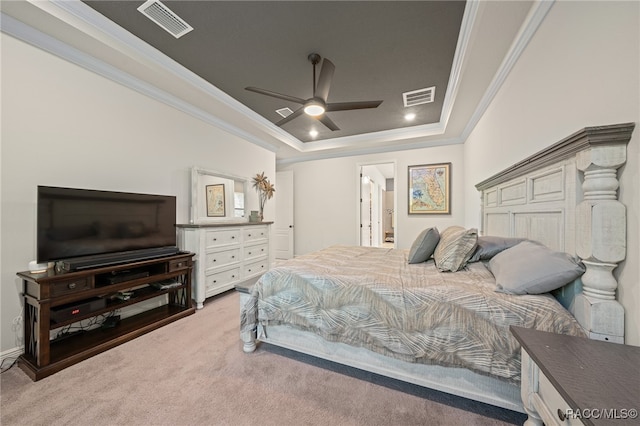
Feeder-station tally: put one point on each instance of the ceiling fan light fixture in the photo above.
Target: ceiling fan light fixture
(317, 105)
(314, 109)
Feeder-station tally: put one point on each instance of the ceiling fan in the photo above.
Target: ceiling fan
(317, 105)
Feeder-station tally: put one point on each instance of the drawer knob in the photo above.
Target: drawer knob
(233, 276)
(179, 265)
(215, 239)
(249, 234)
(71, 286)
(233, 237)
(215, 281)
(249, 253)
(561, 415)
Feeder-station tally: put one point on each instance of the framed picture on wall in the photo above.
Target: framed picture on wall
(215, 200)
(430, 189)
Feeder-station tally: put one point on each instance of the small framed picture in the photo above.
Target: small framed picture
(215, 200)
(430, 189)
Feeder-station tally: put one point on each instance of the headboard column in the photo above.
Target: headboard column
(601, 226)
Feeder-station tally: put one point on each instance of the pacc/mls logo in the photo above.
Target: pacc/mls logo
(599, 413)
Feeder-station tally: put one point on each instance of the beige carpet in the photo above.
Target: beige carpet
(193, 372)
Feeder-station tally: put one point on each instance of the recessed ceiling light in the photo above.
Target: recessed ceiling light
(409, 117)
(313, 133)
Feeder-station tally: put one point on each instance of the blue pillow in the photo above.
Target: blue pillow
(489, 246)
(531, 268)
(424, 246)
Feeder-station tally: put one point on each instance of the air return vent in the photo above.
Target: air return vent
(285, 112)
(418, 97)
(165, 17)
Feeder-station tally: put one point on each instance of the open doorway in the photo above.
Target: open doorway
(377, 205)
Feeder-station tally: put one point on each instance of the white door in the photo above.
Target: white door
(373, 182)
(375, 214)
(365, 212)
(284, 215)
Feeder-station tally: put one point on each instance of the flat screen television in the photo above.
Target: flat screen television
(95, 228)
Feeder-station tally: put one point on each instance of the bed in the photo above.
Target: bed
(372, 309)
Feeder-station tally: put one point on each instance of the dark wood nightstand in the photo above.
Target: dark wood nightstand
(569, 380)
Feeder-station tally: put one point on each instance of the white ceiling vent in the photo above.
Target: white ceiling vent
(285, 112)
(418, 97)
(165, 17)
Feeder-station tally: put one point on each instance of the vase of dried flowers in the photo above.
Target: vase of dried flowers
(265, 192)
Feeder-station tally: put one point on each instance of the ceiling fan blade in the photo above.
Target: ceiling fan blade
(324, 119)
(290, 117)
(344, 106)
(275, 95)
(324, 80)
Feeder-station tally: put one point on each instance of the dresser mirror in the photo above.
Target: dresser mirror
(217, 197)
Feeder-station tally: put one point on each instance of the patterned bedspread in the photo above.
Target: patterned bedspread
(371, 297)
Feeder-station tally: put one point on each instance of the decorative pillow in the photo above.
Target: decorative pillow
(531, 268)
(423, 246)
(489, 246)
(455, 248)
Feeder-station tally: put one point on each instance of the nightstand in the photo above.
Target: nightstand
(569, 380)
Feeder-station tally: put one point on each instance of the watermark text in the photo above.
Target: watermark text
(602, 413)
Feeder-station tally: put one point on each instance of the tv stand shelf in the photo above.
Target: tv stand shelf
(49, 292)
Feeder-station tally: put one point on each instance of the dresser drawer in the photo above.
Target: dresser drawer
(255, 233)
(551, 407)
(221, 237)
(222, 258)
(221, 278)
(253, 252)
(254, 268)
(69, 286)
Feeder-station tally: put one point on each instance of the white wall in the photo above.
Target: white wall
(65, 126)
(327, 192)
(580, 69)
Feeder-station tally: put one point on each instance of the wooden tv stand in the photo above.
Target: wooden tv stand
(48, 295)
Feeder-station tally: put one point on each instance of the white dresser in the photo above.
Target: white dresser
(225, 254)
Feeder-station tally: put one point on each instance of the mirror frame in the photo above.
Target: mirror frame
(197, 217)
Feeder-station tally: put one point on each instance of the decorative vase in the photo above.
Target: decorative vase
(255, 216)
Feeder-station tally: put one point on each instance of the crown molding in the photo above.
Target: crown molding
(92, 23)
(536, 15)
(324, 155)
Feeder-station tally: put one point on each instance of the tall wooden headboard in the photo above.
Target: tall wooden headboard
(566, 198)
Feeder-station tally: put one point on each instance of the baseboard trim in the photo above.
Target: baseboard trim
(11, 354)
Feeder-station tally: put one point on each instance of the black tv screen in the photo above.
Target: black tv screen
(79, 222)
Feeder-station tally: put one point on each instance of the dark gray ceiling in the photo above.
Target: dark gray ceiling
(380, 49)
(491, 37)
